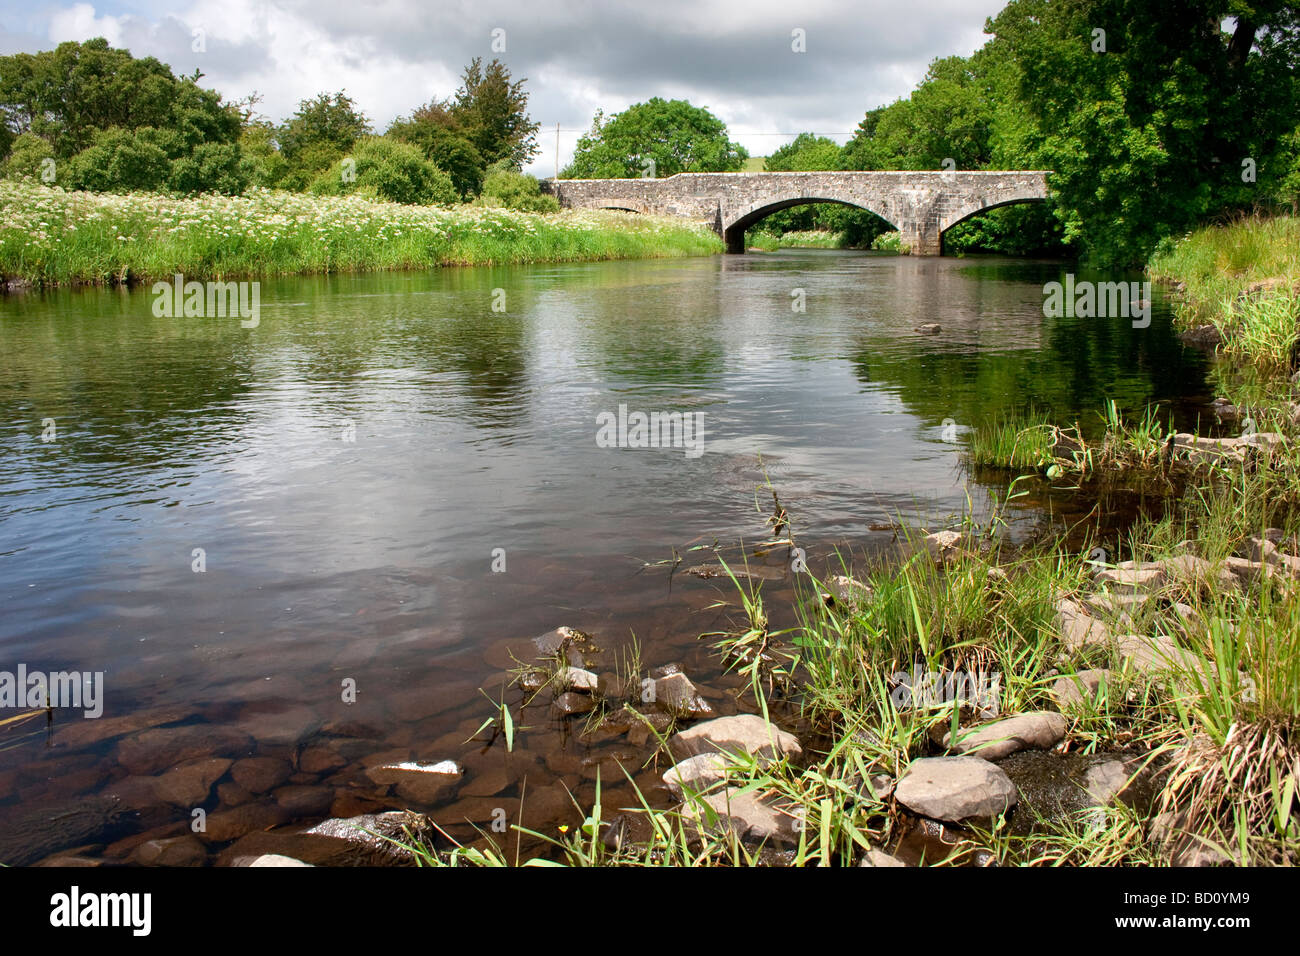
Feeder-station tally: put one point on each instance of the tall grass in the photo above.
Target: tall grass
(1242, 277)
(50, 236)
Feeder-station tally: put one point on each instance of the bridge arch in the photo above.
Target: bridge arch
(622, 205)
(733, 232)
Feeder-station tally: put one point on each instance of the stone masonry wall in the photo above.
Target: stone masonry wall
(922, 205)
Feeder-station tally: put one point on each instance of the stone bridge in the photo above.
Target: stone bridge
(921, 205)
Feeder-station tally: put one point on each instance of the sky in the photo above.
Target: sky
(737, 59)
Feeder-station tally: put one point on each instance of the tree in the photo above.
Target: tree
(659, 137)
(112, 121)
(388, 170)
(435, 131)
(1148, 124)
(492, 114)
(320, 132)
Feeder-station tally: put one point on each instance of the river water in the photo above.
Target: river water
(394, 479)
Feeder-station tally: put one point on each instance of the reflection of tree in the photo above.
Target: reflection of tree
(1069, 371)
(666, 324)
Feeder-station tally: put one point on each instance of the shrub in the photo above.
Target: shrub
(513, 190)
(387, 170)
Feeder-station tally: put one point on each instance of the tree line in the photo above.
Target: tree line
(1152, 117)
(88, 116)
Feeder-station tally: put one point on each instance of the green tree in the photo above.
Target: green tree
(388, 170)
(320, 132)
(27, 156)
(434, 130)
(666, 136)
(1148, 123)
(491, 112)
(119, 160)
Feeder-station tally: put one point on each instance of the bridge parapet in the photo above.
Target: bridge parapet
(921, 205)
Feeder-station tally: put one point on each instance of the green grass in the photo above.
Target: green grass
(1243, 278)
(53, 237)
(806, 239)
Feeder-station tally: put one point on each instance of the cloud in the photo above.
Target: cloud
(733, 56)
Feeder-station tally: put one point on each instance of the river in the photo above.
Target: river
(394, 478)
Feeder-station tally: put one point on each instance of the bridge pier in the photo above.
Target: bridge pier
(926, 242)
(735, 240)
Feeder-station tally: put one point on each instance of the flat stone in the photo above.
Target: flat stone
(1040, 729)
(1078, 629)
(226, 825)
(319, 760)
(275, 859)
(1131, 577)
(420, 783)
(304, 801)
(954, 789)
(260, 774)
(878, 857)
(361, 840)
(742, 733)
(752, 818)
(177, 851)
(285, 728)
(1153, 655)
(929, 328)
(1196, 575)
(570, 703)
(1106, 781)
(161, 748)
(1072, 689)
(697, 773)
(190, 784)
(575, 678)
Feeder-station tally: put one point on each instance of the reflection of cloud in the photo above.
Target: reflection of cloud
(735, 58)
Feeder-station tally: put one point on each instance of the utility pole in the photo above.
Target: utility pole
(557, 150)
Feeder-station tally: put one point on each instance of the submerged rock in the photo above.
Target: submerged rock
(741, 573)
(420, 783)
(31, 834)
(571, 703)
(955, 789)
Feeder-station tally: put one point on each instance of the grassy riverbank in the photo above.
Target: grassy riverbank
(1166, 665)
(52, 237)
